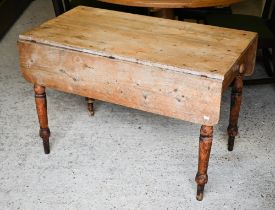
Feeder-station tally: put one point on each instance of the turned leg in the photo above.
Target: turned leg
(206, 136)
(90, 103)
(41, 107)
(236, 99)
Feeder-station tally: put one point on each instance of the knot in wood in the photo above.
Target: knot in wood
(201, 179)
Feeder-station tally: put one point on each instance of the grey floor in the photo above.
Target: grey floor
(123, 158)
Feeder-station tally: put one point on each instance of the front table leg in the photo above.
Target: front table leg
(41, 107)
(236, 100)
(206, 136)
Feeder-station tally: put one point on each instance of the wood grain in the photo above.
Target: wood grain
(173, 3)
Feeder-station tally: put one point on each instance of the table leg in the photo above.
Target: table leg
(41, 107)
(206, 137)
(90, 105)
(236, 99)
(167, 13)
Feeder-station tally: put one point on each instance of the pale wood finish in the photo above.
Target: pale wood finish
(171, 68)
(173, 3)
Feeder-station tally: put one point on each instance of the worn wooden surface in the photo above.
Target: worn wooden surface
(173, 3)
(167, 67)
(186, 47)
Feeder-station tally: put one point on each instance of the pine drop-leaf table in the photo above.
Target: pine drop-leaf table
(167, 67)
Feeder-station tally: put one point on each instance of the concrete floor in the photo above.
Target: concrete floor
(123, 158)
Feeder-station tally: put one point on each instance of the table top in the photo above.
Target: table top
(173, 3)
(167, 67)
(173, 45)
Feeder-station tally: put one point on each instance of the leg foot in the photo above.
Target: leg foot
(41, 108)
(90, 105)
(231, 141)
(45, 135)
(46, 145)
(200, 189)
(206, 137)
(236, 99)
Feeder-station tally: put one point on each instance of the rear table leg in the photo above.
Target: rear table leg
(41, 107)
(206, 137)
(236, 99)
(90, 105)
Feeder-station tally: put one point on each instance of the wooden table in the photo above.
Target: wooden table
(167, 67)
(164, 8)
